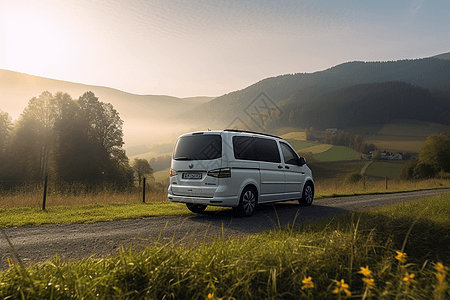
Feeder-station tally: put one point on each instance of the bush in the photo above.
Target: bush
(407, 172)
(353, 177)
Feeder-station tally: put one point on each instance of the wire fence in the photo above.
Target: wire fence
(48, 192)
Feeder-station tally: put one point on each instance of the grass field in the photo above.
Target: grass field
(381, 169)
(335, 153)
(318, 148)
(328, 170)
(300, 145)
(412, 144)
(162, 175)
(396, 252)
(295, 135)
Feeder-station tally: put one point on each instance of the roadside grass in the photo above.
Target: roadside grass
(335, 187)
(396, 252)
(336, 153)
(71, 210)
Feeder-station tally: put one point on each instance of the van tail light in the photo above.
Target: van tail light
(173, 173)
(220, 173)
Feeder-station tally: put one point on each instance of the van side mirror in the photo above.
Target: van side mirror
(301, 161)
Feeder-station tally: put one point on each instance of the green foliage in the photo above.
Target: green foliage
(67, 139)
(436, 152)
(142, 167)
(433, 159)
(268, 265)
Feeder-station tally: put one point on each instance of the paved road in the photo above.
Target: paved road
(39, 243)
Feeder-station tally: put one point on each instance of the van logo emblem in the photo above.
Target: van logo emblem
(191, 165)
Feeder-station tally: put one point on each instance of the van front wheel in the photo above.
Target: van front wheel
(196, 208)
(248, 201)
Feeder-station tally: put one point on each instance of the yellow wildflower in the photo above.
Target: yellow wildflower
(365, 271)
(370, 283)
(408, 279)
(342, 287)
(210, 295)
(401, 257)
(440, 267)
(440, 275)
(307, 283)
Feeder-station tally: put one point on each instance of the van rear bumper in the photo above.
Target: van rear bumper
(231, 201)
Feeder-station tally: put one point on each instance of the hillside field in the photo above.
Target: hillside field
(335, 153)
(382, 169)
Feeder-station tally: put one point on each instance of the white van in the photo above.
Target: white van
(239, 169)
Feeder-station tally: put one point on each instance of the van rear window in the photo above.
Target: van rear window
(198, 147)
(258, 149)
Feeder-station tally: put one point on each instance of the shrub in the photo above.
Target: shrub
(353, 177)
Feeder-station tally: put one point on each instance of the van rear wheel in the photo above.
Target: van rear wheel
(307, 195)
(247, 203)
(196, 208)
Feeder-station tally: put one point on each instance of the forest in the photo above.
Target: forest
(68, 140)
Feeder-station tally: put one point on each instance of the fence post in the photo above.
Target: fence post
(386, 180)
(143, 191)
(45, 192)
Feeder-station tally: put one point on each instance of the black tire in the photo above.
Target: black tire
(196, 208)
(307, 195)
(247, 202)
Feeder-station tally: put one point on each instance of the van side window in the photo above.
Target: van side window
(267, 150)
(289, 156)
(258, 149)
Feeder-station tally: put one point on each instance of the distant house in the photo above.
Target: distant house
(332, 130)
(391, 155)
(396, 156)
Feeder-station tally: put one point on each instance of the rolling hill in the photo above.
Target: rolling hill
(145, 116)
(290, 92)
(349, 94)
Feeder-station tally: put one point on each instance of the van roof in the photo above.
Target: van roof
(233, 130)
(253, 132)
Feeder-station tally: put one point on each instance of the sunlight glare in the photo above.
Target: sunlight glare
(34, 43)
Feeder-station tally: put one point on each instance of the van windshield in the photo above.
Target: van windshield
(198, 147)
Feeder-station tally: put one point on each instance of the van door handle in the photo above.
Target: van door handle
(280, 167)
(287, 167)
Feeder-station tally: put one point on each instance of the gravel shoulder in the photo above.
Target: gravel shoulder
(39, 243)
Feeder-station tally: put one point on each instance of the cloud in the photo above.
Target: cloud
(415, 6)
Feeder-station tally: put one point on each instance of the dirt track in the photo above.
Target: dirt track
(39, 243)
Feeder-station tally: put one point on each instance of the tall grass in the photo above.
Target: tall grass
(397, 252)
(338, 187)
(31, 195)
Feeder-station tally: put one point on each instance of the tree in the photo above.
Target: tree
(142, 167)
(5, 128)
(41, 111)
(376, 154)
(436, 152)
(103, 128)
(309, 132)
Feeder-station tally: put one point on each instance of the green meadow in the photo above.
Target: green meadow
(395, 252)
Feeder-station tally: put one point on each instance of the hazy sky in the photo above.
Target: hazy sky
(189, 48)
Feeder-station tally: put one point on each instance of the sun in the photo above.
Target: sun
(32, 42)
